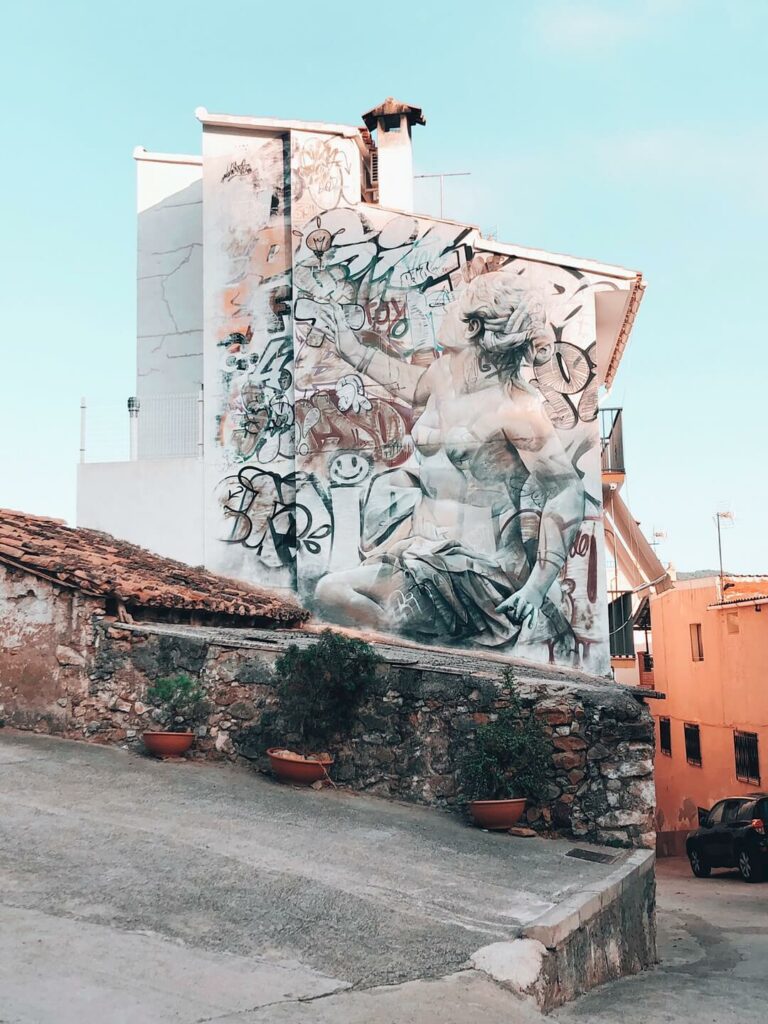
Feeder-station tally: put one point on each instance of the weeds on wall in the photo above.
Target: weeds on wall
(509, 757)
(180, 701)
(320, 688)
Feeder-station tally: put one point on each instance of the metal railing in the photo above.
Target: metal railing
(158, 427)
(611, 441)
(622, 641)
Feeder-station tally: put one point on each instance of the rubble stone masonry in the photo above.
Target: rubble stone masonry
(67, 670)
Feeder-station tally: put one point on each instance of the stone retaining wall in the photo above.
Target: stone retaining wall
(410, 731)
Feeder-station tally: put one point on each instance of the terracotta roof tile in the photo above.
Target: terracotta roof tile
(99, 564)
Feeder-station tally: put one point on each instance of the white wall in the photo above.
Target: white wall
(169, 350)
(395, 167)
(156, 503)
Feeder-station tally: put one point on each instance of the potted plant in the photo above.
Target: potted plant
(319, 689)
(506, 765)
(180, 702)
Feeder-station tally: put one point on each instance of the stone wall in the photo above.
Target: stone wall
(46, 634)
(408, 737)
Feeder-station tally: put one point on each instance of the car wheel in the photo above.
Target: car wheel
(750, 868)
(699, 866)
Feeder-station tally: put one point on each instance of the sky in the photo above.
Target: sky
(629, 132)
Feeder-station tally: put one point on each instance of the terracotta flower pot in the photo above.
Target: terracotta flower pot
(296, 768)
(168, 744)
(497, 814)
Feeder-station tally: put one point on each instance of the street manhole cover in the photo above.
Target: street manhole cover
(593, 855)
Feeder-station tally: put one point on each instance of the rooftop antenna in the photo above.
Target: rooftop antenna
(718, 517)
(445, 174)
(658, 537)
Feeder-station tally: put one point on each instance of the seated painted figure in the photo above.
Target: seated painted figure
(465, 541)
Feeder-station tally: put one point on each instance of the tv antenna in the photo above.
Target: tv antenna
(718, 517)
(441, 176)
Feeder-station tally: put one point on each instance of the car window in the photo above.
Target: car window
(736, 810)
(716, 814)
(761, 810)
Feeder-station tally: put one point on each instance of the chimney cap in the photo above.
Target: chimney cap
(391, 107)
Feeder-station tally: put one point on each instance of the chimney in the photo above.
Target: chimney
(392, 121)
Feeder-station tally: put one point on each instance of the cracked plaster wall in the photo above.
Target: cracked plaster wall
(170, 296)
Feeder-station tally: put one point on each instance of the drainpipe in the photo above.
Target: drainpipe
(133, 415)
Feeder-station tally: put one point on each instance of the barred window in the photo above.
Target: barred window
(665, 736)
(692, 744)
(745, 745)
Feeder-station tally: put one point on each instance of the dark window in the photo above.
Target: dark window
(716, 814)
(697, 647)
(735, 810)
(620, 626)
(692, 744)
(761, 810)
(747, 757)
(665, 736)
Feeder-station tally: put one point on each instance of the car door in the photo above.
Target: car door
(736, 816)
(711, 839)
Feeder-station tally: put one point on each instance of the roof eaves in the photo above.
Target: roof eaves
(754, 599)
(273, 124)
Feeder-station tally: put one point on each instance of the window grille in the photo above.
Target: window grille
(692, 744)
(665, 736)
(745, 745)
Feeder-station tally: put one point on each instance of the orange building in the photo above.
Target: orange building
(710, 643)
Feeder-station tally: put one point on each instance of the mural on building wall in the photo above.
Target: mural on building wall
(446, 439)
(248, 283)
(430, 464)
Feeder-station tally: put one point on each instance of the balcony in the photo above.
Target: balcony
(612, 446)
(620, 625)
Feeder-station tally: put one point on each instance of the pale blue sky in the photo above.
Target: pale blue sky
(632, 133)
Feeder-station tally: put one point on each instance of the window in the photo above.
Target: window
(735, 810)
(697, 647)
(692, 744)
(665, 736)
(732, 621)
(715, 816)
(747, 757)
(620, 626)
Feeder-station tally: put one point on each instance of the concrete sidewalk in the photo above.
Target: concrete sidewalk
(133, 889)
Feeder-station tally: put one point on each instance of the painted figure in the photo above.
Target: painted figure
(466, 540)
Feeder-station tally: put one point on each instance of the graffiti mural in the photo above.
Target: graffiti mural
(407, 421)
(248, 318)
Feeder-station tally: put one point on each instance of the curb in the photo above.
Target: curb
(520, 964)
(557, 925)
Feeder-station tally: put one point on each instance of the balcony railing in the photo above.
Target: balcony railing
(622, 641)
(611, 441)
(157, 427)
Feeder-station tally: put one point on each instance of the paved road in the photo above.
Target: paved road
(121, 875)
(132, 890)
(713, 948)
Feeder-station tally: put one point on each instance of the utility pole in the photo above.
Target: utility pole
(446, 174)
(718, 517)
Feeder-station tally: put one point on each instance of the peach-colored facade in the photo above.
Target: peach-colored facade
(713, 679)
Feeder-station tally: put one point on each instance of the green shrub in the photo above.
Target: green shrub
(181, 699)
(319, 688)
(509, 757)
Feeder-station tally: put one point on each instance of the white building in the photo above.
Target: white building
(262, 452)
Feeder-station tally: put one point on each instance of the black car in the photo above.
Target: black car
(734, 834)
